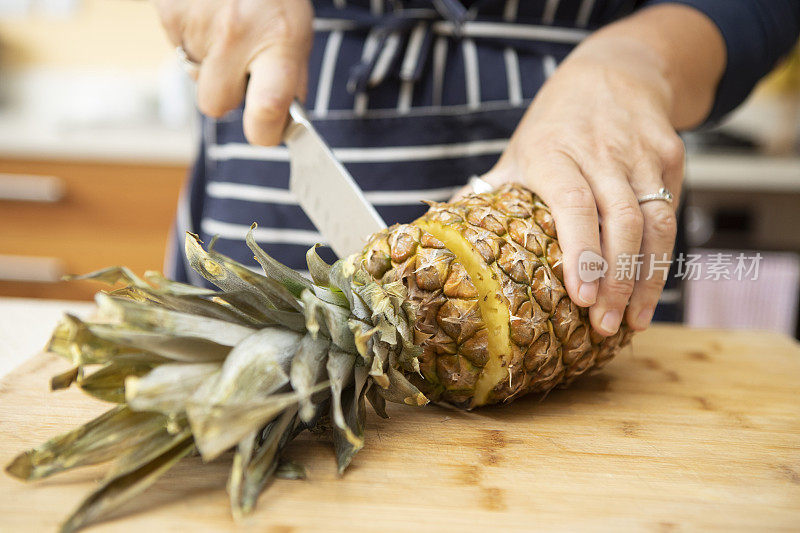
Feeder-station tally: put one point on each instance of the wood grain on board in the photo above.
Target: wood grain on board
(685, 430)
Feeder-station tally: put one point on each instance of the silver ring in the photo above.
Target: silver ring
(190, 66)
(663, 194)
(479, 185)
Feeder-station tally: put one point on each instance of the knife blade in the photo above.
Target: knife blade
(325, 189)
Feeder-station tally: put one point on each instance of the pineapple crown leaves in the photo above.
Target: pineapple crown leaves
(248, 367)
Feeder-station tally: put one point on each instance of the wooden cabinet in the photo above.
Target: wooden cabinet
(93, 215)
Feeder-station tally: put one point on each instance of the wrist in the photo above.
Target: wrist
(675, 49)
(626, 64)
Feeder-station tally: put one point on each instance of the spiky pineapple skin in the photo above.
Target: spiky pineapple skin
(552, 340)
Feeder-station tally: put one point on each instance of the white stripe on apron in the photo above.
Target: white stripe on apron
(370, 49)
(409, 66)
(439, 62)
(549, 14)
(227, 230)
(584, 13)
(223, 152)
(471, 73)
(327, 71)
(549, 65)
(513, 79)
(273, 195)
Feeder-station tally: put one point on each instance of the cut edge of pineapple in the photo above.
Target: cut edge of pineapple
(494, 309)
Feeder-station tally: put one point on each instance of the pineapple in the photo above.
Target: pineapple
(493, 318)
(465, 305)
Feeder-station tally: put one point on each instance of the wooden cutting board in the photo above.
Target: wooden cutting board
(686, 430)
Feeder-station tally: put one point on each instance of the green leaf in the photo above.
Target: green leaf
(204, 305)
(308, 370)
(380, 360)
(121, 488)
(108, 383)
(290, 470)
(174, 287)
(377, 402)
(341, 276)
(330, 319)
(275, 269)
(401, 390)
(317, 267)
(260, 310)
(347, 437)
(73, 339)
(167, 388)
(186, 349)
(153, 447)
(111, 276)
(238, 399)
(97, 441)
(265, 461)
(65, 379)
(349, 419)
(332, 296)
(158, 320)
(231, 276)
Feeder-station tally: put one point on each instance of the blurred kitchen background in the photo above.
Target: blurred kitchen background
(96, 135)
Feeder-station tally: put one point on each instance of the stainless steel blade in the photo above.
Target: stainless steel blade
(325, 189)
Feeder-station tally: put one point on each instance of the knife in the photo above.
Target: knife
(325, 189)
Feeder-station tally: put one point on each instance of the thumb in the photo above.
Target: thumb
(497, 176)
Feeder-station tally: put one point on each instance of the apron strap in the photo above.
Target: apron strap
(417, 28)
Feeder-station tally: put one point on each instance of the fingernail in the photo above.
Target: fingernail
(587, 294)
(644, 318)
(610, 322)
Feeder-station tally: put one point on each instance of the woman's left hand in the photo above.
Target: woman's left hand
(597, 137)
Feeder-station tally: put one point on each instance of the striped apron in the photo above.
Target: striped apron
(414, 96)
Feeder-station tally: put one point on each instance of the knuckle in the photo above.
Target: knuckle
(617, 291)
(260, 135)
(576, 198)
(231, 25)
(672, 151)
(663, 222)
(211, 107)
(286, 68)
(652, 285)
(268, 109)
(275, 23)
(611, 154)
(282, 29)
(286, 28)
(626, 214)
(261, 126)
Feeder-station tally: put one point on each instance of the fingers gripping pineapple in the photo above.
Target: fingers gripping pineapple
(465, 305)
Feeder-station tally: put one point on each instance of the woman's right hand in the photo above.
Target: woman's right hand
(252, 49)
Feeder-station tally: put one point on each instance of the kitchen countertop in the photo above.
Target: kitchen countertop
(743, 172)
(23, 138)
(107, 115)
(686, 430)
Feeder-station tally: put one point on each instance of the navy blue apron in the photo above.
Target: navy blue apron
(414, 97)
